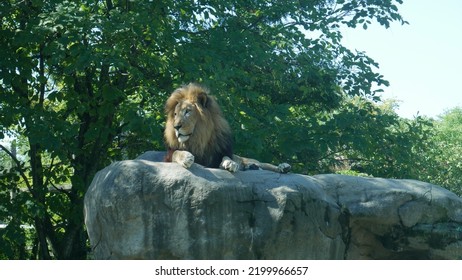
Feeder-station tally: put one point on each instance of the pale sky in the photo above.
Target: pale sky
(422, 60)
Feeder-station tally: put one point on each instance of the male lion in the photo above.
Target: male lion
(196, 131)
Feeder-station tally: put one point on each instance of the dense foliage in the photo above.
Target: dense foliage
(441, 159)
(83, 83)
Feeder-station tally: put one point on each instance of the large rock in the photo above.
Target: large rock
(142, 209)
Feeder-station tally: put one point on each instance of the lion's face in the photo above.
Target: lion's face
(195, 124)
(185, 120)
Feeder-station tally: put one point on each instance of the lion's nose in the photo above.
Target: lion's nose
(177, 127)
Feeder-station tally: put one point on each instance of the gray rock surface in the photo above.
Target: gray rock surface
(143, 209)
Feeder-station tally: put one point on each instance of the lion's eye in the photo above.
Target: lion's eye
(187, 113)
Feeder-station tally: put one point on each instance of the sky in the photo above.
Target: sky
(421, 60)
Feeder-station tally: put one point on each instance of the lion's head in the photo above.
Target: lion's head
(195, 124)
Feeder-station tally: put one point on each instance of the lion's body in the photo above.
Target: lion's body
(196, 131)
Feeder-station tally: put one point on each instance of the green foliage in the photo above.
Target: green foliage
(352, 173)
(76, 92)
(365, 137)
(423, 149)
(442, 160)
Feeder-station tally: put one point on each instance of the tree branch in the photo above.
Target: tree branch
(42, 79)
(18, 164)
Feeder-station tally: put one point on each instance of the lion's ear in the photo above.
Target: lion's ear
(202, 99)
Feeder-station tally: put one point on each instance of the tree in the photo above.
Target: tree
(370, 138)
(84, 82)
(442, 164)
(70, 87)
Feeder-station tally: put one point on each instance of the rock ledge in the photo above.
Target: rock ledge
(142, 209)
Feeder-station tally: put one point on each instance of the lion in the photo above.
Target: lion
(196, 131)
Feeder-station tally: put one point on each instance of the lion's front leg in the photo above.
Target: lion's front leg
(185, 158)
(249, 163)
(229, 164)
(280, 168)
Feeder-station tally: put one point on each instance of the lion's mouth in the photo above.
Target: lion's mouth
(182, 137)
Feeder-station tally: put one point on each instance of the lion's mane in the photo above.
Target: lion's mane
(211, 139)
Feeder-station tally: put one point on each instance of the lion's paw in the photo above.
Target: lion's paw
(284, 167)
(229, 164)
(185, 158)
